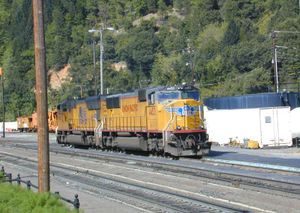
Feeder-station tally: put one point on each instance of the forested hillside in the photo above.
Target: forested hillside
(226, 43)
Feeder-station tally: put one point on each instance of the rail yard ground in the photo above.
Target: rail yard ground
(283, 156)
(118, 182)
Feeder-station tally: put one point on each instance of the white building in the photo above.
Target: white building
(267, 126)
(261, 117)
(9, 126)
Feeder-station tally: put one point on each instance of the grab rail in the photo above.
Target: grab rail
(167, 125)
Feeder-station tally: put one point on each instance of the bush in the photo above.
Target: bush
(15, 199)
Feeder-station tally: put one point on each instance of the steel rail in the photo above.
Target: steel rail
(172, 166)
(199, 172)
(165, 198)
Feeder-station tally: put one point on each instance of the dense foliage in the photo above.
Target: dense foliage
(226, 43)
(17, 199)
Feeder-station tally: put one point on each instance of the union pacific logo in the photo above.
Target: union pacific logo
(186, 110)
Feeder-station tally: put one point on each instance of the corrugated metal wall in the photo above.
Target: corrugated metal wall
(254, 101)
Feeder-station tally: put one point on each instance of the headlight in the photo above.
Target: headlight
(178, 127)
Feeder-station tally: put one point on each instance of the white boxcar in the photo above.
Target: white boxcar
(9, 126)
(268, 126)
(295, 122)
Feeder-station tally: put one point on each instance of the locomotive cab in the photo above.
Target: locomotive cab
(180, 112)
(175, 93)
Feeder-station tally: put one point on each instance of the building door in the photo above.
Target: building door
(269, 127)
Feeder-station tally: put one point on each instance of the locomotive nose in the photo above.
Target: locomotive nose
(186, 114)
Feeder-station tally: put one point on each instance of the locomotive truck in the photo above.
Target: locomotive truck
(165, 120)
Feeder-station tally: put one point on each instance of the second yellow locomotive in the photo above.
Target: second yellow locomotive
(163, 120)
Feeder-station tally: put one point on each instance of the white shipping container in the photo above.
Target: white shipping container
(295, 122)
(268, 126)
(9, 126)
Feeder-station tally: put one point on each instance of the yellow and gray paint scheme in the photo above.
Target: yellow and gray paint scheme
(162, 120)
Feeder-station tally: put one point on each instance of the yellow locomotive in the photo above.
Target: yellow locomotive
(163, 120)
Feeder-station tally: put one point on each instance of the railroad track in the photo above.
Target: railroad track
(191, 170)
(177, 167)
(195, 169)
(150, 197)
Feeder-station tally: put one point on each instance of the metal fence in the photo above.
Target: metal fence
(7, 177)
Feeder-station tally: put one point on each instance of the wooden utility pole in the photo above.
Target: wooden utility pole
(192, 67)
(41, 97)
(3, 105)
(276, 80)
(95, 71)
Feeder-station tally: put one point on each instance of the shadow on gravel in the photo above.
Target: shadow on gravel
(217, 153)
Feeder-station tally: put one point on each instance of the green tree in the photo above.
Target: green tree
(139, 49)
(169, 70)
(231, 35)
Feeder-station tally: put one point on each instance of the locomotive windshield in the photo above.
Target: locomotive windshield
(167, 96)
(191, 94)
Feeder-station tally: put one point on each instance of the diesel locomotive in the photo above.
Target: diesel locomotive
(165, 120)
(30, 123)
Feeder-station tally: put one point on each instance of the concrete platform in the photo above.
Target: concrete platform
(288, 157)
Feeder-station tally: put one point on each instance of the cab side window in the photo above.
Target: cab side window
(151, 98)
